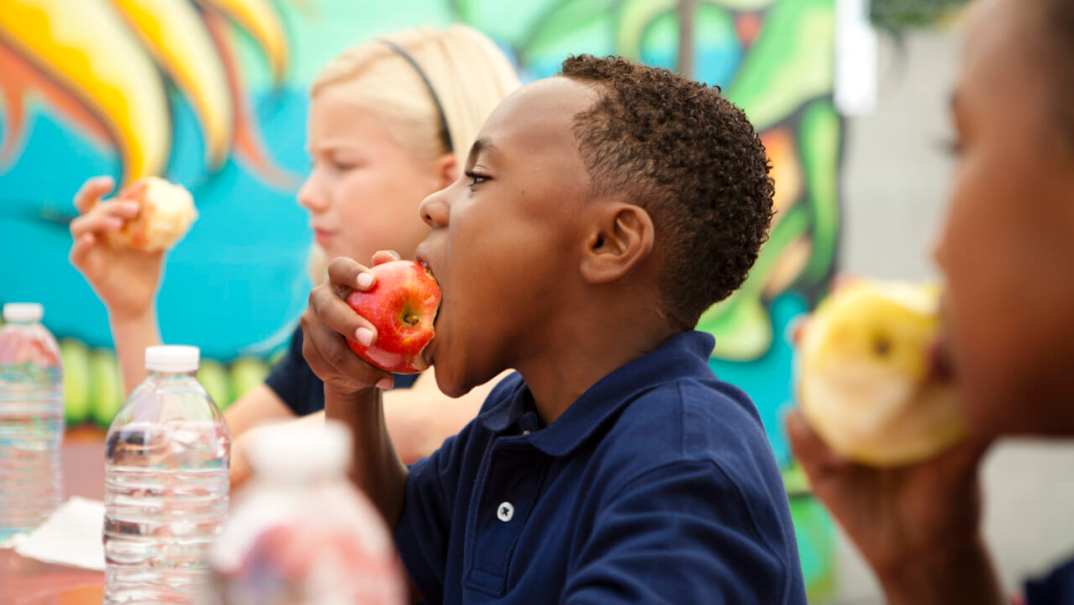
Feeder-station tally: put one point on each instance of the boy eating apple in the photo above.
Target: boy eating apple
(601, 213)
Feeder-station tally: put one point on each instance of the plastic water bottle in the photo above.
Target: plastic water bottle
(300, 533)
(166, 484)
(31, 420)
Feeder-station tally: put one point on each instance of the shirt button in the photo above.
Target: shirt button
(505, 511)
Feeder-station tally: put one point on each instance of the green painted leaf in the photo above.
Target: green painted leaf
(634, 19)
(580, 22)
(819, 141)
(511, 22)
(214, 379)
(247, 373)
(107, 392)
(791, 62)
(76, 381)
(740, 323)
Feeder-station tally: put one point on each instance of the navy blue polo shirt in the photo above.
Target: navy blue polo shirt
(1056, 588)
(656, 486)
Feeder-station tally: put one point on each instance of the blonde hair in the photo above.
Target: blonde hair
(466, 69)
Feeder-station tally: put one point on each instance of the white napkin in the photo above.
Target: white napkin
(70, 536)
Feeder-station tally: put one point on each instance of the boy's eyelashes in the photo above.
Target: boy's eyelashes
(475, 178)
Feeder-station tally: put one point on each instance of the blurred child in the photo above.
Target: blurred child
(1005, 253)
(601, 213)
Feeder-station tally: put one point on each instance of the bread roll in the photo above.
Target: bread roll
(165, 214)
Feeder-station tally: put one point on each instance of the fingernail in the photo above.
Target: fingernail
(130, 206)
(364, 336)
(384, 384)
(365, 280)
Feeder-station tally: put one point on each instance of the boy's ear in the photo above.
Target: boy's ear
(447, 168)
(620, 238)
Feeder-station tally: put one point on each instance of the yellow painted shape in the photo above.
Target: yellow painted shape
(87, 47)
(260, 20)
(175, 33)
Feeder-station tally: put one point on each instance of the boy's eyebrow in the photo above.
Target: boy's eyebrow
(480, 147)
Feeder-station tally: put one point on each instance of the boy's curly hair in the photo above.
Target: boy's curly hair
(689, 157)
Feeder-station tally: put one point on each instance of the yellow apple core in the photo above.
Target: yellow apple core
(866, 382)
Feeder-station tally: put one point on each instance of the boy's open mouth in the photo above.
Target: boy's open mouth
(427, 353)
(425, 265)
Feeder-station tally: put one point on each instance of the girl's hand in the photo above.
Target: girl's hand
(126, 280)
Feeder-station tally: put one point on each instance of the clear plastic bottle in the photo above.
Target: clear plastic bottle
(300, 533)
(166, 484)
(31, 420)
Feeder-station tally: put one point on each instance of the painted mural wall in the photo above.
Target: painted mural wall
(212, 93)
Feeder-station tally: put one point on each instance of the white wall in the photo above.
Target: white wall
(895, 169)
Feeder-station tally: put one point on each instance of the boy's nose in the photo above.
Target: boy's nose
(434, 210)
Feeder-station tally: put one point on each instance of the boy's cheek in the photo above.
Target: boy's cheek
(990, 396)
(974, 336)
(1001, 361)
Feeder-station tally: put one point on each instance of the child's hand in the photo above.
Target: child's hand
(126, 280)
(891, 513)
(329, 320)
(906, 520)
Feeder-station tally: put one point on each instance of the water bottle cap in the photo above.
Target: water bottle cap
(23, 312)
(171, 358)
(298, 450)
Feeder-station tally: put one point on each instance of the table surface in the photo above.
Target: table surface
(29, 582)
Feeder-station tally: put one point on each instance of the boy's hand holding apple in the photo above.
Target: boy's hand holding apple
(384, 314)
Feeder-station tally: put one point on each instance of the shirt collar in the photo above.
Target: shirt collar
(684, 354)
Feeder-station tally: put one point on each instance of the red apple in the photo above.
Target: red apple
(402, 305)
